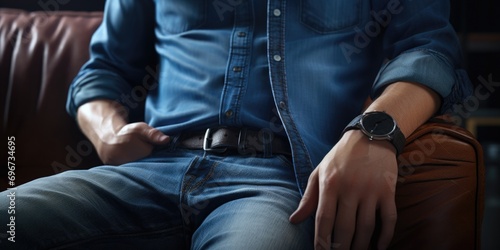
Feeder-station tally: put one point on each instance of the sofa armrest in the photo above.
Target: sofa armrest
(440, 189)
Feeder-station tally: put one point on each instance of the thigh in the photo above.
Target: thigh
(251, 202)
(253, 223)
(136, 203)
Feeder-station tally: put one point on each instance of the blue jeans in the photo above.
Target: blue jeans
(175, 199)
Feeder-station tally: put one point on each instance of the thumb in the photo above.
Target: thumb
(309, 201)
(157, 137)
(153, 135)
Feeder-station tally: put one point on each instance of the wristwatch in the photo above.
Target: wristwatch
(378, 125)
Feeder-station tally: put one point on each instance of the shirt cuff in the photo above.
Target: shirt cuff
(95, 86)
(430, 69)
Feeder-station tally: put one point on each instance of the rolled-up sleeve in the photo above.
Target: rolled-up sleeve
(422, 47)
(120, 51)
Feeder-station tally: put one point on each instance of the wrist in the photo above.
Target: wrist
(378, 126)
(357, 138)
(101, 120)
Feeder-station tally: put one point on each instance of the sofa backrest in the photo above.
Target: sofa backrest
(40, 54)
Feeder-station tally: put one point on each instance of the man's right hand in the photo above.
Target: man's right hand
(104, 122)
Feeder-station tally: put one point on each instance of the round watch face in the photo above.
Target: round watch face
(378, 124)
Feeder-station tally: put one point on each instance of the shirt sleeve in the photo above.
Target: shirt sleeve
(120, 51)
(422, 47)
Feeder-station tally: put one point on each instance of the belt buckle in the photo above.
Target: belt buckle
(207, 146)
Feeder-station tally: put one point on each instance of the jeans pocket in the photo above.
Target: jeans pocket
(177, 16)
(326, 16)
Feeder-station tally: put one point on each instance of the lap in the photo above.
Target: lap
(161, 201)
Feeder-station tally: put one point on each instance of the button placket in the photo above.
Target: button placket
(237, 67)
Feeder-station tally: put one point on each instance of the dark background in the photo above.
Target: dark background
(478, 24)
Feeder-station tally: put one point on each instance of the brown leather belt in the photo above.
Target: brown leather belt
(243, 141)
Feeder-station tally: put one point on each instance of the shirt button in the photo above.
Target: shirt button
(277, 58)
(282, 105)
(229, 113)
(236, 69)
(242, 34)
(277, 12)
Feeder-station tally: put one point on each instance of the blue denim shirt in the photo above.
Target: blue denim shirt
(299, 67)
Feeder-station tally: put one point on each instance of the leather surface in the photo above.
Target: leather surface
(245, 141)
(440, 189)
(40, 54)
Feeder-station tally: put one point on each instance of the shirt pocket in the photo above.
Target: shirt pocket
(326, 16)
(177, 16)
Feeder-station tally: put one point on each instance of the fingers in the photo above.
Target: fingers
(147, 133)
(132, 142)
(155, 136)
(365, 225)
(346, 220)
(326, 217)
(309, 201)
(353, 225)
(345, 224)
(388, 214)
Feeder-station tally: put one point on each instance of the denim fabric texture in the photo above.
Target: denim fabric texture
(174, 199)
(297, 68)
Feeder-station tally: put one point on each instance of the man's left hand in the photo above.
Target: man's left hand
(354, 183)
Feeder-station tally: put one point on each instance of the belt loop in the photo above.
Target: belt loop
(266, 138)
(171, 146)
(242, 141)
(173, 142)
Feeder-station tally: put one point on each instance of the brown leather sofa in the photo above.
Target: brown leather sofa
(440, 184)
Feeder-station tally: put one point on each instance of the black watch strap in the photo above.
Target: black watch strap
(354, 124)
(398, 139)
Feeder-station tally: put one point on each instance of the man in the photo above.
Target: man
(248, 139)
